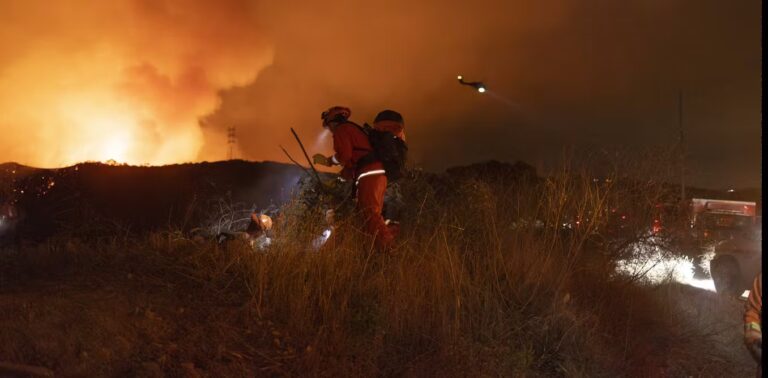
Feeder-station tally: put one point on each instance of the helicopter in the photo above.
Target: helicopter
(474, 84)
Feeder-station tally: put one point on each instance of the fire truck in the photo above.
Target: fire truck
(715, 220)
(733, 230)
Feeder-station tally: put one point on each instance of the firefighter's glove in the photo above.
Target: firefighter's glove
(322, 160)
(754, 342)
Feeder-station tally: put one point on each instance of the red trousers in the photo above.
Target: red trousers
(370, 201)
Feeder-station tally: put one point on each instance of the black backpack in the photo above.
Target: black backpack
(390, 150)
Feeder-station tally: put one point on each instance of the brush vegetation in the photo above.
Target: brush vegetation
(497, 272)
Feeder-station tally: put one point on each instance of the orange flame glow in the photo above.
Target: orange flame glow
(124, 80)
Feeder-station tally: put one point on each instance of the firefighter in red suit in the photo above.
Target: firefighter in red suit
(351, 144)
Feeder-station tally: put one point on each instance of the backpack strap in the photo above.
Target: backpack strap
(370, 157)
(358, 126)
(365, 129)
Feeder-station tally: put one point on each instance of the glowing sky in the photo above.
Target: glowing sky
(158, 82)
(124, 80)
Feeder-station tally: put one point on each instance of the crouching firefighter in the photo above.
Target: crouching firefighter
(256, 235)
(362, 163)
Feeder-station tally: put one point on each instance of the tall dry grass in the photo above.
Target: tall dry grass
(492, 275)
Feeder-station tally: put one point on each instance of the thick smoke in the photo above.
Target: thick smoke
(78, 79)
(124, 80)
(560, 74)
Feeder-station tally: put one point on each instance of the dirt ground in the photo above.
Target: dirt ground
(715, 320)
(126, 324)
(123, 325)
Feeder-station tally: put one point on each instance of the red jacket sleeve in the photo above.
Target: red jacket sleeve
(342, 146)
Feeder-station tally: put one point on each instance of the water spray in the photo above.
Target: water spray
(321, 138)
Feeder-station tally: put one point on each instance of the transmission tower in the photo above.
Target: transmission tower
(231, 140)
(682, 144)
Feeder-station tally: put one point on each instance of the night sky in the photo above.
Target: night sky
(159, 82)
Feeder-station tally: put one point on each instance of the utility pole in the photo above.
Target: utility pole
(231, 140)
(682, 145)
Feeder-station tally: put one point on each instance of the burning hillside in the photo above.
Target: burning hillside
(132, 91)
(138, 199)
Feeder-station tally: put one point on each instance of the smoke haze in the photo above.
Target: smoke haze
(173, 76)
(123, 80)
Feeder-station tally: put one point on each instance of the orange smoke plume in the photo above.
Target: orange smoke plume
(124, 80)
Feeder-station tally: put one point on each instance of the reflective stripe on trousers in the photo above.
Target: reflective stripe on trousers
(369, 173)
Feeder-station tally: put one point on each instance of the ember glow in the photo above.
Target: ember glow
(123, 80)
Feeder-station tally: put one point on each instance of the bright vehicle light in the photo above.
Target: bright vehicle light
(481, 89)
(460, 77)
(656, 266)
